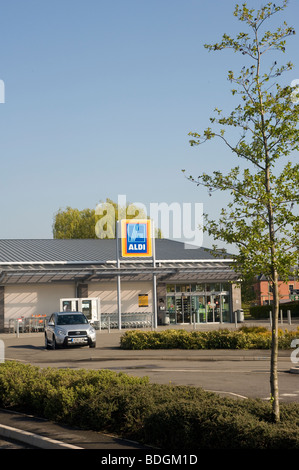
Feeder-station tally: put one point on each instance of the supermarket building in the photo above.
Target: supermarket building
(178, 285)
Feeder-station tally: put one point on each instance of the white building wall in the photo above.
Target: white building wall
(107, 292)
(24, 300)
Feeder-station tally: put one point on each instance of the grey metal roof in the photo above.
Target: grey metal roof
(55, 251)
(51, 260)
(88, 251)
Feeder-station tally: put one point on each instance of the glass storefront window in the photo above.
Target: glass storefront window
(198, 308)
(186, 309)
(197, 287)
(171, 308)
(198, 302)
(215, 287)
(179, 309)
(170, 288)
(225, 308)
(182, 288)
(210, 309)
(217, 308)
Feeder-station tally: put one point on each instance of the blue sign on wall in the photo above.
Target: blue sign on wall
(136, 238)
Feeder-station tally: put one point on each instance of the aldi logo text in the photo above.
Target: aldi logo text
(136, 238)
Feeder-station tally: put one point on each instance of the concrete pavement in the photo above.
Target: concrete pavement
(44, 434)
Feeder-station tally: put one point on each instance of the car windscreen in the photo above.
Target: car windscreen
(71, 319)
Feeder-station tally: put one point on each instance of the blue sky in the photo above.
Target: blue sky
(100, 96)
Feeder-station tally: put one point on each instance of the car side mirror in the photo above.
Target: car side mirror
(51, 323)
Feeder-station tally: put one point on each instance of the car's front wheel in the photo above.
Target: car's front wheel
(54, 343)
(47, 345)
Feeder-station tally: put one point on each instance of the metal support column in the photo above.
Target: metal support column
(2, 309)
(118, 276)
(155, 319)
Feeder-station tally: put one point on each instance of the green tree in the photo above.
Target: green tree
(109, 212)
(95, 223)
(261, 219)
(73, 223)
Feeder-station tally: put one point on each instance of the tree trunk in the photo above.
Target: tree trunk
(274, 351)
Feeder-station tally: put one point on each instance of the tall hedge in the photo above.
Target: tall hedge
(262, 311)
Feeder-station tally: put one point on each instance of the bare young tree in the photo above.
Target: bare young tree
(261, 219)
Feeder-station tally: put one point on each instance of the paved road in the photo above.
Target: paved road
(10, 444)
(232, 373)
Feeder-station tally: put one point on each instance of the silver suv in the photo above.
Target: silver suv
(69, 328)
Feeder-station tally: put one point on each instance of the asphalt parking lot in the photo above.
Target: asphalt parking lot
(237, 374)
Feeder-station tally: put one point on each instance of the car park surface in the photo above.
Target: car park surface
(235, 373)
(238, 374)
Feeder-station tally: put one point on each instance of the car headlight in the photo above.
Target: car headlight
(91, 331)
(61, 331)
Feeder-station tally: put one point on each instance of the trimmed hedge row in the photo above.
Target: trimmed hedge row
(262, 311)
(243, 338)
(165, 416)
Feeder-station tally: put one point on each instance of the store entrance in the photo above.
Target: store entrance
(197, 308)
(183, 309)
(199, 303)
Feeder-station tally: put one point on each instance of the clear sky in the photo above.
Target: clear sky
(100, 96)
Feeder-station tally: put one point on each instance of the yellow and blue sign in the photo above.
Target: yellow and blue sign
(136, 238)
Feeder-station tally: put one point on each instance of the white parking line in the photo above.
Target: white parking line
(229, 393)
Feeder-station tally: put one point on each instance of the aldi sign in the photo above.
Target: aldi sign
(136, 238)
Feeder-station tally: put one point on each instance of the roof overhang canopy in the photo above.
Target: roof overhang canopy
(82, 273)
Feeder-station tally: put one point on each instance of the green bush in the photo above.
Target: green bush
(243, 338)
(217, 425)
(164, 416)
(262, 311)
